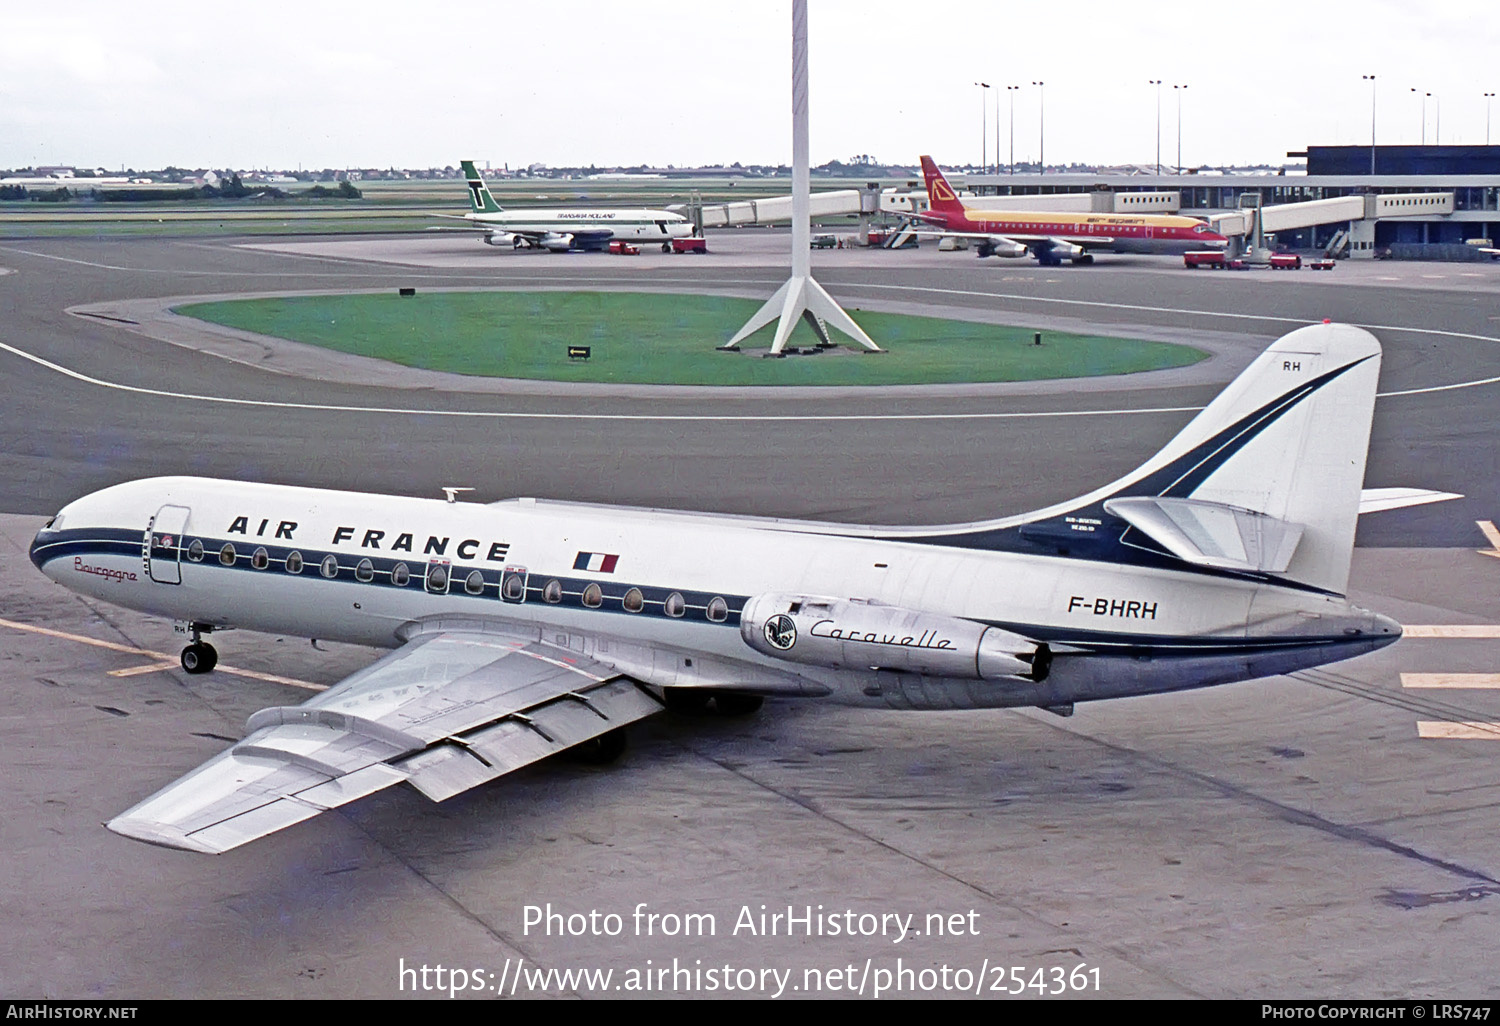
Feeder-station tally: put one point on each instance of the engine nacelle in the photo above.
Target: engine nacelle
(556, 243)
(1002, 247)
(500, 239)
(856, 635)
(1066, 251)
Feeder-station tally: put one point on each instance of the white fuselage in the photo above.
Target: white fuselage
(641, 225)
(1116, 629)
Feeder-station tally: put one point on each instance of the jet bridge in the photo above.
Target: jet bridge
(1360, 211)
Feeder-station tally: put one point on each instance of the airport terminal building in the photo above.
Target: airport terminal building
(1420, 201)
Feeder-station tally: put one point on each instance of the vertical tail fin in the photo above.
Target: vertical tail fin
(480, 200)
(941, 198)
(1288, 440)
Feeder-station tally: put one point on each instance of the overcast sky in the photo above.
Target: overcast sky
(376, 84)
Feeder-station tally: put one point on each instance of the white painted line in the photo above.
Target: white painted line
(1471, 730)
(1487, 528)
(165, 657)
(1451, 680)
(136, 671)
(1451, 630)
(518, 415)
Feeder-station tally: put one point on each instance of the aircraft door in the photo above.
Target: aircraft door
(164, 544)
(513, 584)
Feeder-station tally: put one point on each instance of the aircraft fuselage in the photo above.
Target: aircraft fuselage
(660, 594)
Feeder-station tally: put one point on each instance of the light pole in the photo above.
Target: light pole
(1011, 91)
(984, 112)
(1487, 98)
(1371, 80)
(1437, 120)
(1424, 112)
(1042, 131)
(997, 130)
(1179, 90)
(1157, 82)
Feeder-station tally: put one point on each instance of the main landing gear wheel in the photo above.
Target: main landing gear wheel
(686, 701)
(666, 247)
(199, 657)
(733, 703)
(601, 750)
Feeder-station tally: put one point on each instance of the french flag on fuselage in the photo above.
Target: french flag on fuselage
(596, 562)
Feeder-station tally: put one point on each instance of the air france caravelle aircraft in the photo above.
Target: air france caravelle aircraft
(560, 230)
(525, 627)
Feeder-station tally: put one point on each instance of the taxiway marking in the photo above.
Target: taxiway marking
(1487, 528)
(1466, 730)
(1451, 680)
(1451, 630)
(163, 660)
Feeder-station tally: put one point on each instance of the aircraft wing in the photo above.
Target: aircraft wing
(453, 708)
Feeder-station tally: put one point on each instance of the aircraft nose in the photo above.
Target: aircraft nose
(44, 538)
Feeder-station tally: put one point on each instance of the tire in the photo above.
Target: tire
(686, 701)
(666, 247)
(199, 657)
(601, 750)
(734, 703)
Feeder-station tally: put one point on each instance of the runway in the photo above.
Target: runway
(1290, 837)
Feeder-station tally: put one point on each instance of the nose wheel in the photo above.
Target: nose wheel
(199, 657)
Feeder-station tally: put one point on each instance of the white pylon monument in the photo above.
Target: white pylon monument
(801, 295)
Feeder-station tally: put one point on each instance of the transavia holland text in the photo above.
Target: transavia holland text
(750, 921)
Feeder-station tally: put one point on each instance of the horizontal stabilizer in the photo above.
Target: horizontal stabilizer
(1212, 533)
(1376, 500)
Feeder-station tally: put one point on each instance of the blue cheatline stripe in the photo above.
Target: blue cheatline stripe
(85, 541)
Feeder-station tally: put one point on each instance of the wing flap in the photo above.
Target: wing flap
(1212, 533)
(526, 737)
(450, 710)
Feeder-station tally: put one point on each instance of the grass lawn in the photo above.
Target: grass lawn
(669, 339)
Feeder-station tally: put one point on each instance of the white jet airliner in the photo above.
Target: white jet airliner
(525, 627)
(560, 230)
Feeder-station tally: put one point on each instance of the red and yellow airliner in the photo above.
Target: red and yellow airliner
(1053, 237)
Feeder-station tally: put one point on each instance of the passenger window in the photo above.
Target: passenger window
(633, 601)
(474, 583)
(260, 559)
(195, 551)
(400, 574)
(437, 578)
(515, 587)
(294, 562)
(593, 596)
(674, 605)
(365, 571)
(718, 609)
(226, 554)
(552, 592)
(330, 567)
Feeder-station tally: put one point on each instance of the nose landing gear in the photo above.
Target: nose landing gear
(199, 656)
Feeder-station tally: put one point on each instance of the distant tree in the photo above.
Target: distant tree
(58, 195)
(348, 191)
(12, 192)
